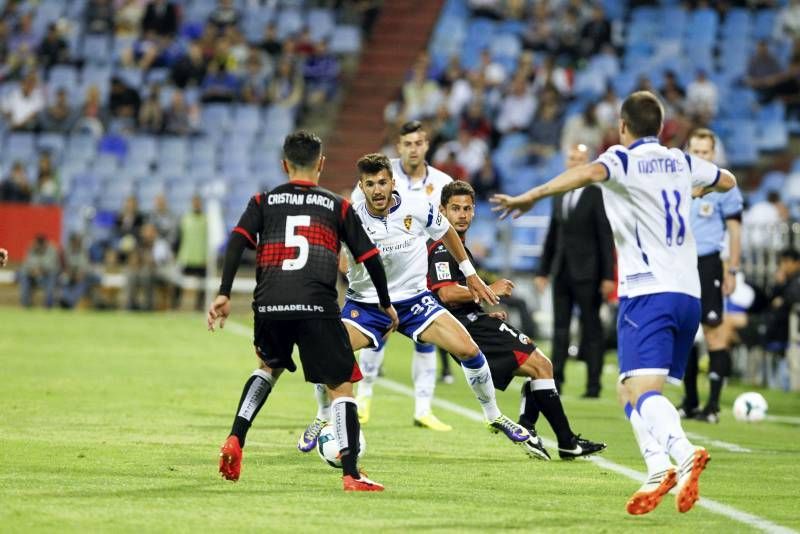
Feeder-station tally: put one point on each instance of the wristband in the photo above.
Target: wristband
(466, 268)
(733, 270)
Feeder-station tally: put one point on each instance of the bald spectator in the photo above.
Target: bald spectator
(40, 270)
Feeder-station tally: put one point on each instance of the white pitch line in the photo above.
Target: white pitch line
(732, 447)
(784, 419)
(717, 507)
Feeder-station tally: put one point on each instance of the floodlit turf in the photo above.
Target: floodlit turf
(112, 422)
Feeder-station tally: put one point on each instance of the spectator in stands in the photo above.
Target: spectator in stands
(190, 69)
(517, 108)
(493, 72)
(40, 269)
(568, 33)
(608, 110)
(540, 35)
(255, 79)
(702, 97)
(452, 167)
(671, 83)
(545, 130)
(582, 129)
(181, 118)
(193, 251)
(53, 49)
(595, 33)
(16, 187)
(77, 279)
(93, 117)
(128, 18)
(785, 84)
(321, 73)
(127, 226)
(164, 220)
(149, 264)
(421, 95)
(160, 18)
(462, 91)
(475, 121)
(761, 70)
(219, 85)
(271, 43)
(492, 9)
(784, 296)
(304, 44)
(551, 74)
(24, 40)
(99, 16)
(124, 101)
(47, 186)
(23, 104)
(486, 181)
(443, 127)
(151, 116)
(286, 88)
(59, 117)
(470, 152)
(788, 21)
(760, 221)
(224, 15)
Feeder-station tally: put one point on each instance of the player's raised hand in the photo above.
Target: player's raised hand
(392, 313)
(508, 205)
(502, 287)
(480, 291)
(220, 309)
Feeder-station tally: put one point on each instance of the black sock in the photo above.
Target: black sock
(530, 409)
(691, 400)
(550, 404)
(719, 367)
(347, 429)
(254, 395)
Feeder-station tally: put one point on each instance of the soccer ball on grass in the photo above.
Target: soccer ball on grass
(328, 447)
(750, 407)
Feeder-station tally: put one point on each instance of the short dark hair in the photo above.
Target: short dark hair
(373, 164)
(302, 149)
(773, 196)
(789, 254)
(643, 114)
(454, 188)
(704, 133)
(411, 127)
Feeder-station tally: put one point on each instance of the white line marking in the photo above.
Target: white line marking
(714, 506)
(709, 504)
(732, 447)
(784, 419)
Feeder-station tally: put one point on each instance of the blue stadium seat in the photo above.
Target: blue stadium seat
(142, 148)
(775, 180)
(63, 76)
(345, 40)
(105, 165)
(216, 118)
(764, 23)
(739, 137)
(20, 146)
(96, 49)
(772, 135)
(289, 22)
(255, 20)
(174, 148)
(321, 22)
(247, 117)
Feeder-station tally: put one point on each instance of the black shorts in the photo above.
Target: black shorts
(505, 347)
(711, 276)
(325, 351)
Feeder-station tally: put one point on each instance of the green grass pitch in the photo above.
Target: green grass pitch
(112, 422)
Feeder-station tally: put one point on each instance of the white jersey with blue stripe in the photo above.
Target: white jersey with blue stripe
(401, 238)
(430, 187)
(648, 198)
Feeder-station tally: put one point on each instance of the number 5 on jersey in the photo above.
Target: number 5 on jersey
(293, 240)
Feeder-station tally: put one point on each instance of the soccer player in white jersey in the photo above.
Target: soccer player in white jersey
(400, 230)
(418, 183)
(648, 190)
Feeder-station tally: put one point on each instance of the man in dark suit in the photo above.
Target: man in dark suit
(579, 255)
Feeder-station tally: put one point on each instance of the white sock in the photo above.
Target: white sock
(339, 412)
(479, 379)
(655, 456)
(369, 360)
(423, 373)
(323, 402)
(664, 423)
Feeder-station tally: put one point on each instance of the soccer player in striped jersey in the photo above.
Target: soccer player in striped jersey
(647, 190)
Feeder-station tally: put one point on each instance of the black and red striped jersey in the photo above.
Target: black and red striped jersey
(296, 230)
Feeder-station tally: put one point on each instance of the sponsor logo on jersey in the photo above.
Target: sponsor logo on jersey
(429, 189)
(354, 314)
(706, 209)
(407, 222)
(443, 270)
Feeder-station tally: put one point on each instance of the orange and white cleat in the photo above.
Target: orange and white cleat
(688, 480)
(230, 459)
(652, 491)
(350, 483)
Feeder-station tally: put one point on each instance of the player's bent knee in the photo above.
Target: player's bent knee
(465, 350)
(540, 365)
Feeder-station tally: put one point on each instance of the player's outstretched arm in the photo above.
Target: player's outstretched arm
(568, 180)
(479, 290)
(221, 307)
